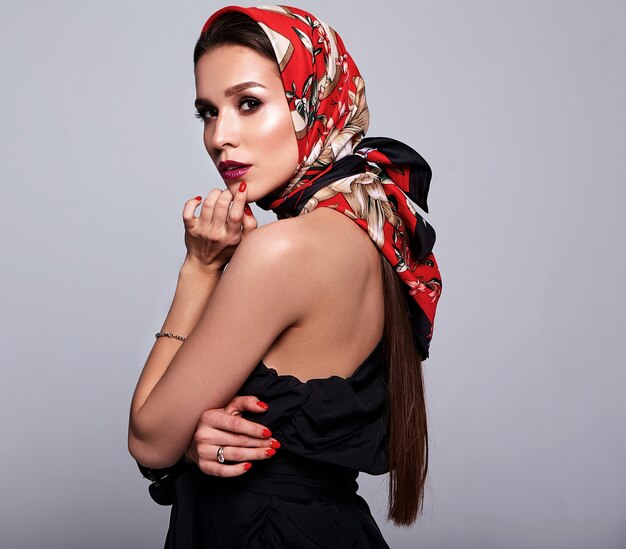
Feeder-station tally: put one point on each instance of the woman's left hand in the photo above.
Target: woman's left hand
(242, 440)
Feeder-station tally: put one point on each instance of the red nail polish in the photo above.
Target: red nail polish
(266, 433)
(262, 405)
(198, 198)
(270, 452)
(242, 186)
(247, 466)
(275, 444)
(248, 210)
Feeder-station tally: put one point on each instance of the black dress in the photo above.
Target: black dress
(305, 495)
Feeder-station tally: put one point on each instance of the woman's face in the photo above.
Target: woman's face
(241, 100)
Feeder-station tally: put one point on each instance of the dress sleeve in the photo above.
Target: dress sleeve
(161, 488)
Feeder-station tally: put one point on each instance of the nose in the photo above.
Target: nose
(225, 131)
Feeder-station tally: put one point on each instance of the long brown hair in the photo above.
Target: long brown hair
(407, 432)
(407, 436)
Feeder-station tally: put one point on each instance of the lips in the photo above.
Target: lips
(232, 170)
(230, 164)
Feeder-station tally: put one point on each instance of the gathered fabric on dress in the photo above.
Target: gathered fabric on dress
(305, 496)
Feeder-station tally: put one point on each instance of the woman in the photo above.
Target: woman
(323, 316)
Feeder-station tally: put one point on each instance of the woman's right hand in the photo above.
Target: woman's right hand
(243, 440)
(212, 237)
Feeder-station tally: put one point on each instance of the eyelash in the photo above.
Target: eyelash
(201, 113)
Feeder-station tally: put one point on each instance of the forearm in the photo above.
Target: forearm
(193, 291)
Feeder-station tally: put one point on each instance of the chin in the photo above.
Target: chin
(232, 186)
(253, 195)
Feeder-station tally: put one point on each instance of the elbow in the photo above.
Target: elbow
(147, 454)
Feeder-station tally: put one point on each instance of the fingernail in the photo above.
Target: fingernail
(242, 186)
(247, 466)
(248, 210)
(262, 405)
(275, 444)
(198, 198)
(266, 433)
(270, 452)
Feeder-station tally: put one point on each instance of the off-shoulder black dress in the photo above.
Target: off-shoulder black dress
(304, 496)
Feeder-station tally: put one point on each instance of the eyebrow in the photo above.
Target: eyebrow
(233, 90)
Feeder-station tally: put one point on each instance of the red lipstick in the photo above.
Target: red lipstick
(232, 170)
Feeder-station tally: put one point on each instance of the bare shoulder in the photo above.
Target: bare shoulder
(275, 260)
(312, 244)
(280, 245)
(329, 270)
(307, 266)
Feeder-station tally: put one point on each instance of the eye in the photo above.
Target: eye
(252, 103)
(205, 113)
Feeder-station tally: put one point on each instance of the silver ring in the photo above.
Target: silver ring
(220, 454)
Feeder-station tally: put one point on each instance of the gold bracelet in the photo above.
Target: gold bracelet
(168, 334)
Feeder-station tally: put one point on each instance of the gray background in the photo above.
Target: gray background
(517, 106)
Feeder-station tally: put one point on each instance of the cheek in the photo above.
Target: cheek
(276, 131)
